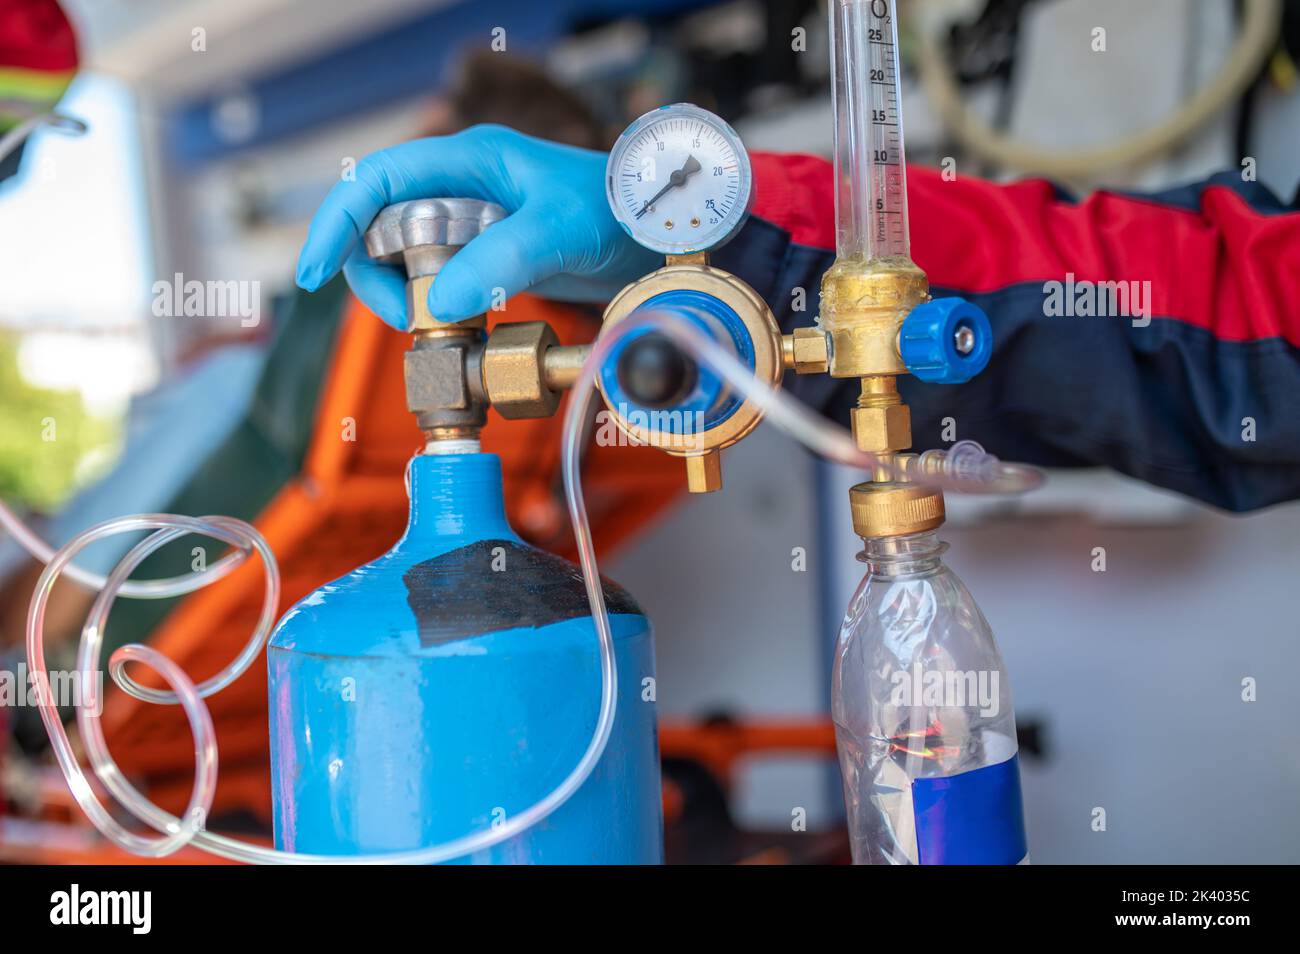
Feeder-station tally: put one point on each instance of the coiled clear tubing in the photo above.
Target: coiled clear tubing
(970, 470)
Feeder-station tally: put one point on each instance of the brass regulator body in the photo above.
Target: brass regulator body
(701, 448)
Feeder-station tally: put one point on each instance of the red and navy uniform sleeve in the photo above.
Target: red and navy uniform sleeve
(1203, 399)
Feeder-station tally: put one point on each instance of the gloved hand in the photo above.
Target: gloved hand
(560, 238)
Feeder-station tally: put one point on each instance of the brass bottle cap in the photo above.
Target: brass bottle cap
(894, 509)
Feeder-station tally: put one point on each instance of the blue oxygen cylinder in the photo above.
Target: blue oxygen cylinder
(452, 683)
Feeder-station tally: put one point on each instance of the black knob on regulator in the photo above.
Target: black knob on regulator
(655, 373)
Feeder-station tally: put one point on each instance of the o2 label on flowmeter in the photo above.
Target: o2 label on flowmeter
(679, 180)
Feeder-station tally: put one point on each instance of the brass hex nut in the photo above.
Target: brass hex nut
(513, 369)
(881, 429)
(807, 351)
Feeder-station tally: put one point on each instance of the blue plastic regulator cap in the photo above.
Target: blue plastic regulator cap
(946, 341)
(703, 400)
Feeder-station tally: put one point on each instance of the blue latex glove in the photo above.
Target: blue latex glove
(559, 240)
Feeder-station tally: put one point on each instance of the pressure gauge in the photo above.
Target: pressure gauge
(679, 180)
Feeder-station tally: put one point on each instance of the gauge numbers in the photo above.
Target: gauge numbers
(679, 180)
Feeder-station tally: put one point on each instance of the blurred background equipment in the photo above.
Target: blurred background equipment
(1246, 61)
(215, 127)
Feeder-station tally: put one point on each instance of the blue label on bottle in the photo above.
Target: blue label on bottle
(976, 818)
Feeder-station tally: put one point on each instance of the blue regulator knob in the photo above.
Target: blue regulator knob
(946, 341)
(646, 373)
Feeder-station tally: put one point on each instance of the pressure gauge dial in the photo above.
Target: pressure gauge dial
(679, 180)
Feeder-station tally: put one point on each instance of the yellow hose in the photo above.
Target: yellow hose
(1255, 43)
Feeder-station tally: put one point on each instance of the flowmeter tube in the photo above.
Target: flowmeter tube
(871, 182)
(873, 285)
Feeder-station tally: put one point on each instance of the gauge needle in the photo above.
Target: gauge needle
(689, 167)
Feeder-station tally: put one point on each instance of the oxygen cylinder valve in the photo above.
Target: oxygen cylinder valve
(444, 387)
(454, 370)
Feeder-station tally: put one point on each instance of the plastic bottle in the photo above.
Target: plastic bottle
(923, 718)
(450, 684)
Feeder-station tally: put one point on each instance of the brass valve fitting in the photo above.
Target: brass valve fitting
(444, 380)
(513, 373)
(805, 351)
(881, 422)
(890, 509)
(863, 305)
(525, 369)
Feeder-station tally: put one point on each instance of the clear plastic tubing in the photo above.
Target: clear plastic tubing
(976, 471)
(870, 178)
(68, 125)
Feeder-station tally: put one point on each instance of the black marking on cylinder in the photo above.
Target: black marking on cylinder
(459, 594)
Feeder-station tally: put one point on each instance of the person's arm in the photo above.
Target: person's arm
(1202, 398)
